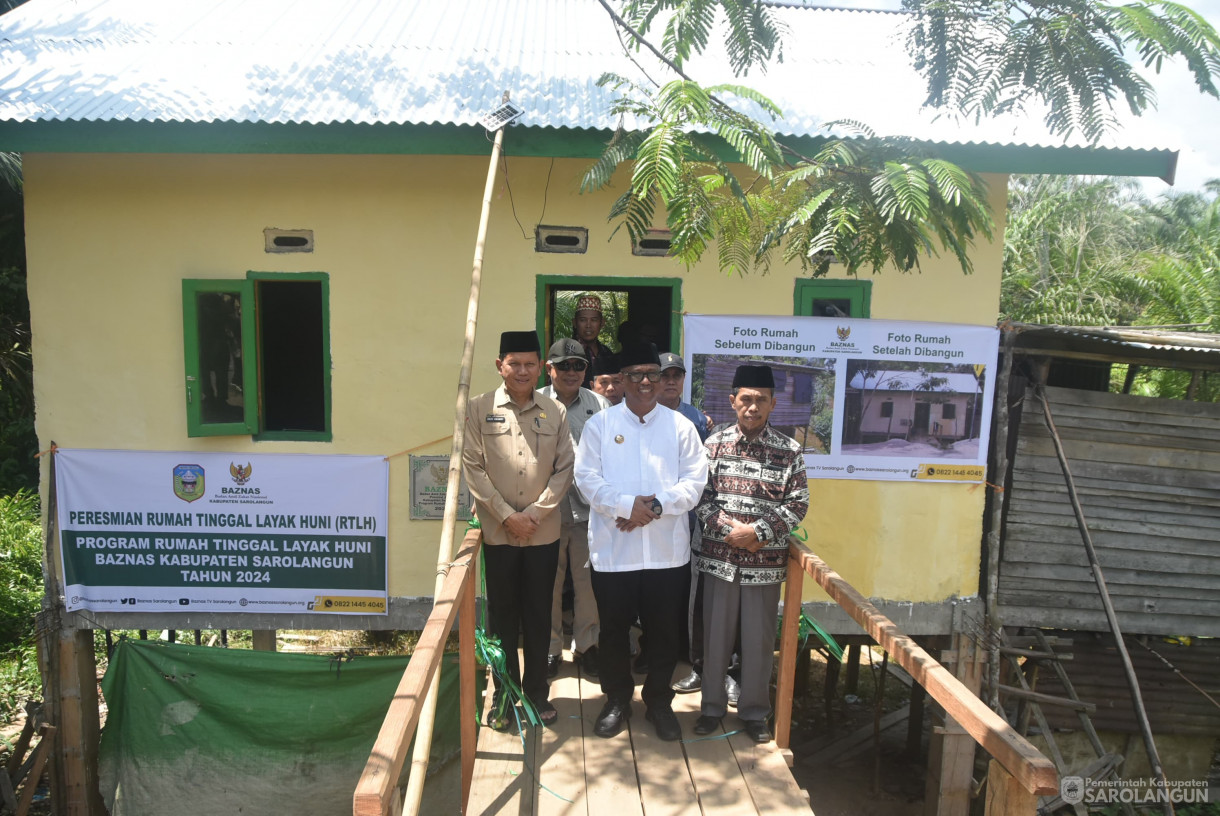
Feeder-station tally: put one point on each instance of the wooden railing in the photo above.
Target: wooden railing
(1019, 772)
(377, 791)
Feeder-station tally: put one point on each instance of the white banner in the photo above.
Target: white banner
(163, 531)
(868, 399)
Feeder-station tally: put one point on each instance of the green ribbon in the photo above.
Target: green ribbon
(808, 626)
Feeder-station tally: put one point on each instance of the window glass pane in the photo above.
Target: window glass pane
(220, 356)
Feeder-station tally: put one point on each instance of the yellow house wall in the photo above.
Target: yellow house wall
(110, 237)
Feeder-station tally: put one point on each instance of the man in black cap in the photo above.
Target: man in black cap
(518, 463)
(607, 381)
(566, 363)
(641, 467)
(756, 495)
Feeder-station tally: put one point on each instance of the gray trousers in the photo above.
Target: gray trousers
(574, 553)
(755, 609)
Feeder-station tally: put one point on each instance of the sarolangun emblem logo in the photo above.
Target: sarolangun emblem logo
(844, 332)
(188, 482)
(240, 474)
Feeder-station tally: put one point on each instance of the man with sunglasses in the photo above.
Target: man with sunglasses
(566, 363)
(642, 468)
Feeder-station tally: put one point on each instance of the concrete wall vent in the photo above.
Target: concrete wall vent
(282, 240)
(655, 243)
(561, 239)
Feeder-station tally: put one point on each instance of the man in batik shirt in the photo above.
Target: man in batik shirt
(756, 495)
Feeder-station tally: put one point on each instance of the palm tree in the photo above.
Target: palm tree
(1076, 251)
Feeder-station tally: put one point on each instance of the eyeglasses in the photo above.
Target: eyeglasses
(571, 365)
(638, 376)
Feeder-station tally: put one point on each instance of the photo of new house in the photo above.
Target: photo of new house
(915, 409)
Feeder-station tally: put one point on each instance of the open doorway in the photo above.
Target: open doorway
(645, 308)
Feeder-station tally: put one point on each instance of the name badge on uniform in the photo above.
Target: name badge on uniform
(493, 418)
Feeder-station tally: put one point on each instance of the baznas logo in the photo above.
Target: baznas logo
(240, 474)
(188, 482)
(844, 332)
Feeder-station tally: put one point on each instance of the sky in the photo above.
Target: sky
(1185, 119)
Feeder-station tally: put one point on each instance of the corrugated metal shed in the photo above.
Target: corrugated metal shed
(1156, 347)
(424, 61)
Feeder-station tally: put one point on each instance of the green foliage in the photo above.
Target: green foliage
(20, 568)
(982, 58)
(864, 201)
(1076, 252)
(20, 600)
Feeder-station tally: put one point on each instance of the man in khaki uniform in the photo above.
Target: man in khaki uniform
(518, 463)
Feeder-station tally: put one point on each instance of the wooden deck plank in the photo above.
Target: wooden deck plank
(502, 782)
(666, 788)
(560, 751)
(633, 773)
(712, 764)
(610, 777)
(768, 778)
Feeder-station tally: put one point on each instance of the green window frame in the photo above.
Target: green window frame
(211, 322)
(545, 285)
(855, 294)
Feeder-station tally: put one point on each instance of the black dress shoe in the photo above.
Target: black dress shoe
(552, 666)
(757, 730)
(665, 722)
(588, 661)
(612, 719)
(706, 724)
(689, 683)
(732, 690)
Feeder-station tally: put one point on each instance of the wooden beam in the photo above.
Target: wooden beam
(263, 640)
(377, 784)
(41, 753)
(1046, 699)
(466, 687)
(1033, 770)
(1006, 796)
(787, 653)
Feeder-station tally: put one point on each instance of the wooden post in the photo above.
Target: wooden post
(852, 681)
(78, 726)
(951, 750)
(915, 722)
(787, 653)
(1006, 796)
(466, 681)
(263, 640)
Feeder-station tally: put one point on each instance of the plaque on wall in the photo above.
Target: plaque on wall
(429, 475)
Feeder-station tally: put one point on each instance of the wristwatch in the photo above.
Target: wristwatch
(656, 507)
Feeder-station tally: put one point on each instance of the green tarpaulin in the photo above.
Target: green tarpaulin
(198, 730)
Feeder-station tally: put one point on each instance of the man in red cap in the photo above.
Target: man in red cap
(587, 325)
(518, 461)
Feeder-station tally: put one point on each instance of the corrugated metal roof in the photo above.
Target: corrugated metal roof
(426, 61)
(1147, 346)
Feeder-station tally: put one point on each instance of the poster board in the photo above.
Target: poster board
(867, 399)
(163, 531)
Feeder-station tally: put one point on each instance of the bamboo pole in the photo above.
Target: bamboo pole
(423, 735)
(376, 793)
(1137, 699)
(999, 476)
